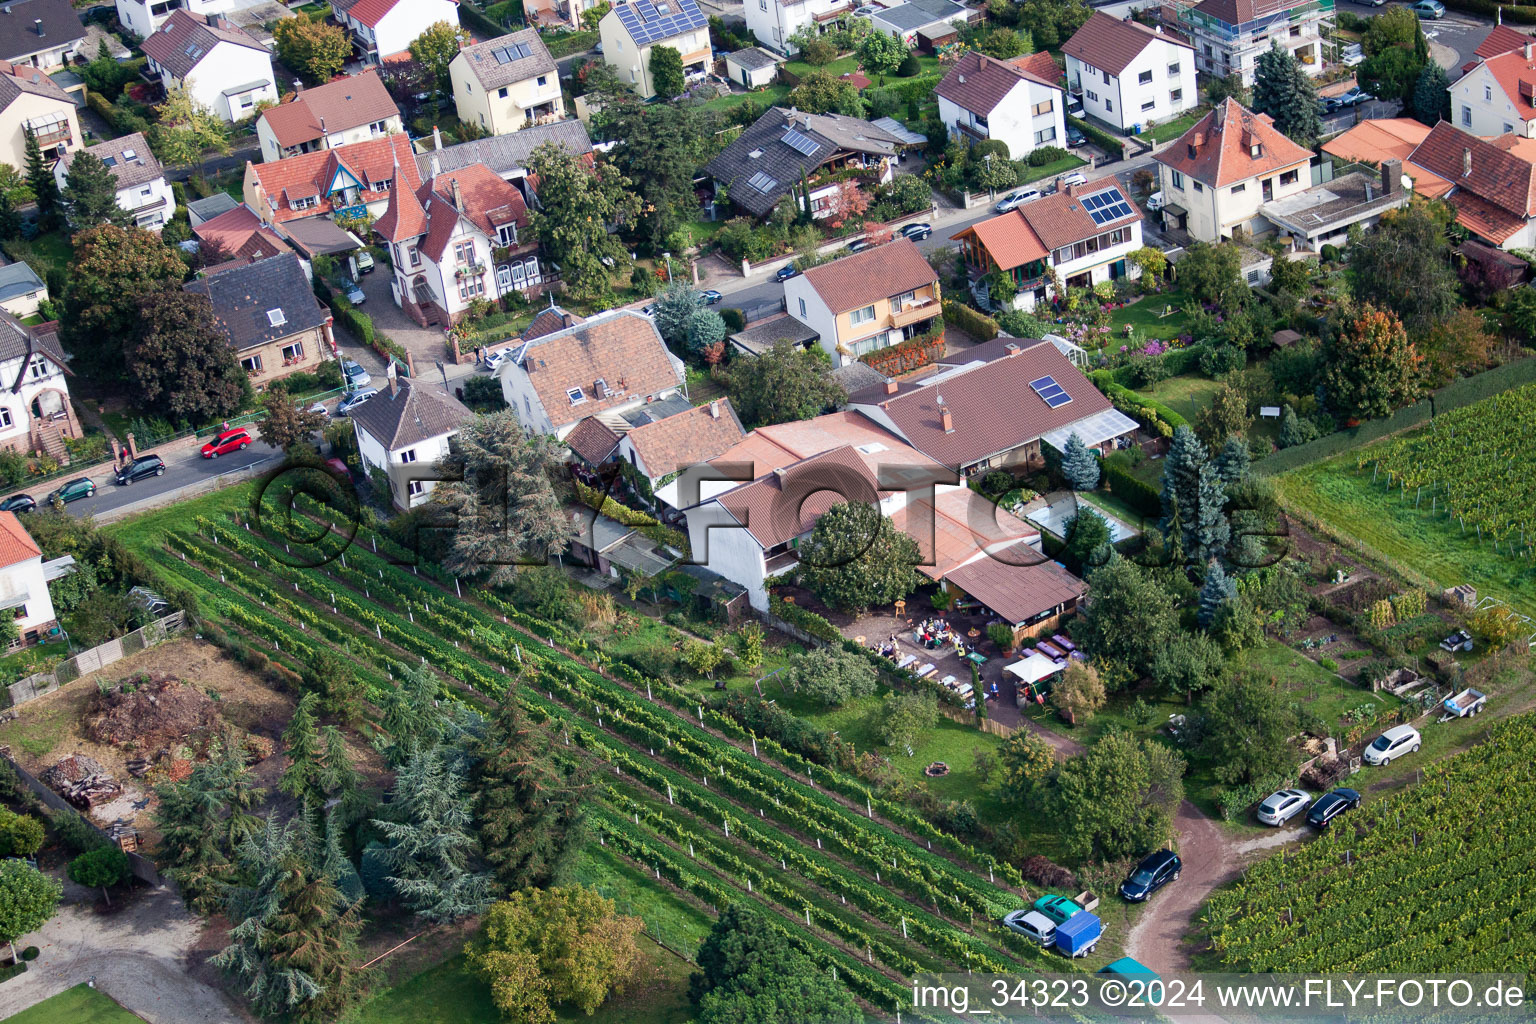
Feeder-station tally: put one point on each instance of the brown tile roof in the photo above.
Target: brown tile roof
(549, 321)
(1502, 39)
(488, 202)
(1218, 149)
(1110, 43)
(623, 350)
(1018, 583)
(1061, 219)
(349, 102)
(404, 217)
(138, 169)
(240, 233)
(492, 73)
(311, 174)
(410, 414)
(853, 282)
(593, 440)
(1008, 239)
(184, 40)
(369, 12)
(956, 525)
(787, 502)
(979, 83)
(985, 424)
(1041, 65)
(687, 438)
(1475, 166)
(1377, 139)
(16, 544)
(16, 79)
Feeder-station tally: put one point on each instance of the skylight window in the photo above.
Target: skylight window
(764, 183)
(276, 317)
(576, 395)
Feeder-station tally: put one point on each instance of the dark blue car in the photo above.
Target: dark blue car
(1155, 871)
(1331, 805)
(786, 272)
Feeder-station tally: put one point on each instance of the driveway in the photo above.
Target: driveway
(425, 344)
(137, 955)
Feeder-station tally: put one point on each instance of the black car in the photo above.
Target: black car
(1155, 871)
(1074, 137)
(18, 503)
(144, 465)
(917, 232)
(786, 272)
(1331, 805)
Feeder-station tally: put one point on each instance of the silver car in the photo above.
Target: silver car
(354, 399)
(1279, 808)
(1031, 924)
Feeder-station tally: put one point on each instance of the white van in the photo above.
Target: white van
(1075, 178)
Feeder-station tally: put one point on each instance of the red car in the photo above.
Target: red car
(229, 441)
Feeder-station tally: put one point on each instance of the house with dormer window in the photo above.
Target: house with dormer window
(223, 67)
(270, 316)
(141, 187)
(349, 180)
(462, 236)
(355, 108)
(35, 410)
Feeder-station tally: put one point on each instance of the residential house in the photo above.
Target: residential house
(1498, 96)
(1491, 184)
(22, 292)
(209, 207)
(143, 17)
(868, 301)
(1501, 39)
(350, 180)
(1219, 174)
(1015, 102)
(23, 584)
(351, 109)
(507, 84)
(507, 155)
(40, 34)
(383, 30)
(462, 236)
(662, 448)
(1378, 139)
(752, 67)
(922, 24)
(141, 186)
(271, 316)
(31, 101)
(239, 235)
(1230, 35)
(1128, 74)
(1322, 215)
(607, 367)
(630, 30)
(404, 432)
(785, 147)
(1082, 235)
(221, 66)
(35, 411)
(774, 22)
(959, 419)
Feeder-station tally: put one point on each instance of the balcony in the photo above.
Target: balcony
(973, 132)
(473, 270)
(915, 312)
(780, 563)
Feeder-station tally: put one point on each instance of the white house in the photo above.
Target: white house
(605, 367)
(921, 24)
(223, 67)
(1127, 73)
(1084, 233)
(22, 292)
(507, 83)
(1013, 102)
(381, 29)
(141, 186)
(142, 17)
(351, 109)
(35, 412)
(1218, 176)
(773, 22)
(23, 585)
(1498, 95)
(1230, 35)
(403, 432)
(31, 101)
(41, 34)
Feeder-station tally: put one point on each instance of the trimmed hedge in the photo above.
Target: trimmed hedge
(1468, 390)
(1149, 412)
(473, 17)
(360, 324)
(918, 89)
(978, 325)
(1111, 146)
(1137, 493)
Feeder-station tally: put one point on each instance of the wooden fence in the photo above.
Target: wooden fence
(86, 662)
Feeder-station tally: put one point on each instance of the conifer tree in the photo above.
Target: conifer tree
(335, 863)
(411, 719)
(1233, 462)
(44, 188)
(1209, 531)
(1282, 90)
(1193, 488)
(301, 779)
(428, 847)
(1217, 589)
(203, 819)
(90, 193)
(338, 776)
(1079, 466)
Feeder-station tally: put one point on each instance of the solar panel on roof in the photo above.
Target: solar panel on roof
(1057, 401)
(764, 183)
(1042, 382)
(1050, 392)
(802, 143)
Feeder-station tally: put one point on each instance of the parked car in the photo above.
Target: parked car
(1331, 805)
(1280, 807)
(597, 48)
(1371, 3)
(917, 232)
(1075, 137)
(354, 374)
(355, 294)
(708, 297)
(1031, 924)
(1057, 908)
(859, 245)
(1075, 178)
(364, 261)
(786, 272)
(493, 360)
(139, 468)
(1460, 640)
(1392, 744)
(235, 440)
(339, 468)
(355, 399)
(1155, 201)
(868, 9)
(18, 503)
(1465, 704)
(1352, 98)
(1016, 199)
(1155, 871)
(72, 490)
(1432, 9)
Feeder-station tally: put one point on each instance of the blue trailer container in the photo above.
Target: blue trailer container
(1078, 934)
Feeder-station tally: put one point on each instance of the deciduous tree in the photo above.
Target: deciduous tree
(112, 271)
(187, 129)
(1211, 273)
(1027, 763)
(181, 362)
(821, 92)
(747, 972)
(1079, 692)
(1190, 662)
(1119, 798)
(666, 72)
(881, 54)
(435, 49)
(784, 384)
(1369, 365)
(101, 868)
(1088, 538)
(28, 899)
(284, 423)
(1404, 265)
(1247, 721)
(832, 676)
(1130, 619)
(856, 558)
(317, 50)
(21, 835)
(577, 203)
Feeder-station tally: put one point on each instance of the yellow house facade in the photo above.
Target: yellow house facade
(39, 105)
(506, 84)
(631, 30)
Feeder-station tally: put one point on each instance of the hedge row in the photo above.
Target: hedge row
(1179, 361)
(474, 18)
(1111, 146)
(1135, 492)
(646, 525)
(1467, 390)
(360, 324)
(1149, 412)
(978, 325)
(1489, 9)
(915, 89)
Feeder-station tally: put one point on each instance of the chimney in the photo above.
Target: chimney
(39, 23)
(1370, 191)
(714, 409)
(1012, 349)
(437, 138)
(458, 197)
(1527, 51)
(1466, 162)
(778, 471)
(1391, 177)
(1221, 115)
(322, 126)
(946, 420)
(891, 387)
(437, 166)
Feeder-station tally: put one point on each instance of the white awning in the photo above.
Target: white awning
(1034, 668)
(1093, 430)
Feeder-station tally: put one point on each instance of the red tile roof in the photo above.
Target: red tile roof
(1474, 165)
(370, 12)
(16, 544)
(1110, 43)
(979, 83)
(854, 282)
(1008, 239)
(310, 174)
(1218, 150)
(489, 202)
(593, 440)
(1516, 75)
(1018, 583)
(1501, 40)
(1041, 65)
(240, 233)
(623, 350)
(787, 502)
(687, 438)
(403, 218)
(346, 103)
(1061, 219)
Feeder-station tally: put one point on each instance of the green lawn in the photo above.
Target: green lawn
(79, 1005)
(928, 65)
(1054, 168)
(772, 96)
(1185, 395)
(1173, 129)
(563, 44)
(1432, 546)
(1144, 316)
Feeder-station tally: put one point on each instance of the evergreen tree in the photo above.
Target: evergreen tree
(1291, 432)
(427, 849)
(335, 863)
(1209, 531)
(1214, 592)
(338, 776)
(1192, 485)
(747, 972)
(202, 821)
(295, 935)
(530, 802)
(1079, 466)
(10, 223)
(411, 719)
(1233, 462)
(90, 193)
(1282, 90)
(301, 779)
(1431, 94)
(44, 188)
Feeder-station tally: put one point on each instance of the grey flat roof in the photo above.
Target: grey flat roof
(901, 131)
(752, 58)
(760, 338)
(18, 279)
(1333, 204)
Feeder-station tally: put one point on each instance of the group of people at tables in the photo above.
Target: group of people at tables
(933, 635)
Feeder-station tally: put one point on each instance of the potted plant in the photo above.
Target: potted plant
(1001, 633)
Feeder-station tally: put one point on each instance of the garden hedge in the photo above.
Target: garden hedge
(978, 325)
(1112, 146)
(1137, 493)
(1149, 412)
(1467, 390)
(474, 18)
(919, 89)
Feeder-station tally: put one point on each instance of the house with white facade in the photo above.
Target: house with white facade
(1490, 183)
(630, 30)
(1229, 36)
(351, 109)
(350, 180)
(1498, 95)
(41, 34)
(922, 24)
(223, 67)
(141, 186)
(403, 432)
(462, 236)
(1016, 102)
(384, 29)
(1084, 234)
(142, 17)
(773, 22)
(506, 84)
(1129, 74)
(1218, 176)
(611, 366)
(23, 584)
(30, 101)
(22, 292)
(868, 301)
(35, 411)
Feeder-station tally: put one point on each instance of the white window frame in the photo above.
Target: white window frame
(862, 316)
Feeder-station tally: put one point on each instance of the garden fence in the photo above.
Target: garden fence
(86, 662)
